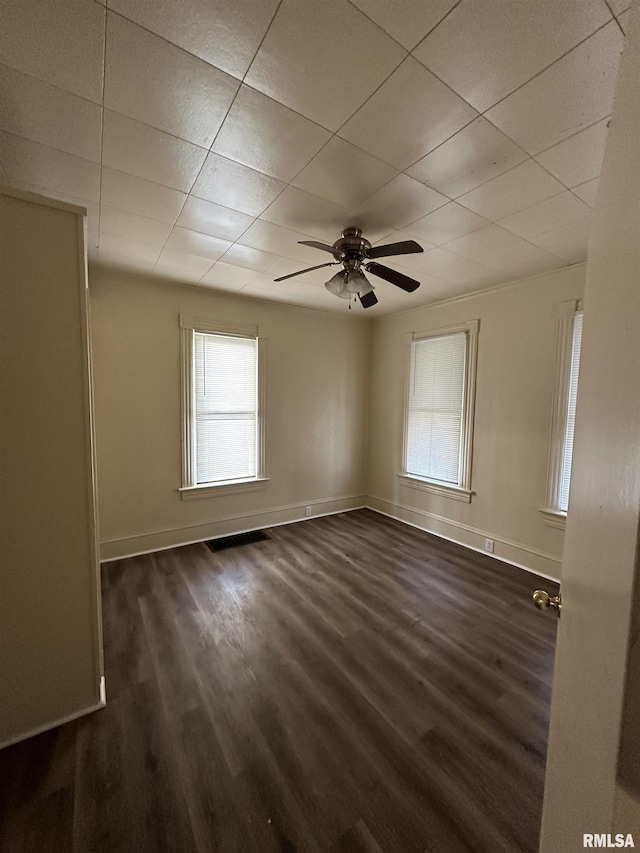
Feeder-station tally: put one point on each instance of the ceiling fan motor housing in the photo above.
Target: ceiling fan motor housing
(351, 248)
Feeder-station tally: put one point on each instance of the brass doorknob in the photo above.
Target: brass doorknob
(543, 600)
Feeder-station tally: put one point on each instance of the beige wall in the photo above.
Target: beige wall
(50, 648)
(515, 377)
(332, 382)
(317, 388)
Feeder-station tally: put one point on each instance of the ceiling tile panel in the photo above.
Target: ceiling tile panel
(60, 43)
(521, 187)
(409, 115)
(181, 266)
(486, 50)
(407, 21)
(431, 289)
(393, 299)
(145, 152)
(383, 234)
(211, 179)
(446, 224)
(302, 294)
(135, 195)
(323, 60)
(51, 116)
(569, 96)
(431, 262)
(229, 277)
(344, 174)
(579, 158)
(475, 275)
(40, 166)
(267, 136)
(552, 213)
(400, 202)
(158, 84)
(214, 219)
(280, 241)
(253, 259)
(118, 223)
(225, 33)
(399, 237)
(569, 242)
(473, 156)
(298, 291)
(411, 264)
(430, 292)
(483, 240)
(619, 6)
(521, 259)
(587, 191)
(183, 241)
(623, 20)
(301, 211)
(233, 185)
(143, 255)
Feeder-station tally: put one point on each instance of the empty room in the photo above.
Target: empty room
(320, 486)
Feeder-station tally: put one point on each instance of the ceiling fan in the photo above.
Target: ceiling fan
(355, 254)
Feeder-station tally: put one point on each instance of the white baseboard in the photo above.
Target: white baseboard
(69, 718)
(515, 553)
(175, 537)
(506, 550)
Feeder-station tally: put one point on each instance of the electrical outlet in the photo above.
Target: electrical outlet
(488, 545)
(307, 511)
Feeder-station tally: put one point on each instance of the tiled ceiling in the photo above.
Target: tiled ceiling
(206, 137)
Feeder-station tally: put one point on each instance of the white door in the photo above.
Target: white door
(588, 791)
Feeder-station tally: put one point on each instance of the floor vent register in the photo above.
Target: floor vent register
(236, 540)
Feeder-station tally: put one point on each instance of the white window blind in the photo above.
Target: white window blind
(567, 449)
(226, 407)
(435, 410)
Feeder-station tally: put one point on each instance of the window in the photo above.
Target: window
(564, 413)
(223, 409)
(440, 394)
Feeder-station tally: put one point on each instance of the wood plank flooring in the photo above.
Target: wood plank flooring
(353, 684)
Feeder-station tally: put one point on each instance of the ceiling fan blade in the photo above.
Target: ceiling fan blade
(316, 245)
(394, 277)
(406, 247)
(308, 269)
(368, 300)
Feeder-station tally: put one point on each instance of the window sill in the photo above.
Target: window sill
(456, 493)
(554, 518)
(228, 487)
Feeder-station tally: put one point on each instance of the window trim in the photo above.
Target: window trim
(551, 513)
(461, 492)
(190, 490)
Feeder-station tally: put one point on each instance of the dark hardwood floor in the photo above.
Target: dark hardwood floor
(353, 684)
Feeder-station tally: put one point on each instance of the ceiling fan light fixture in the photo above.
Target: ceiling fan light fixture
(338, 286)
(358, 283)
